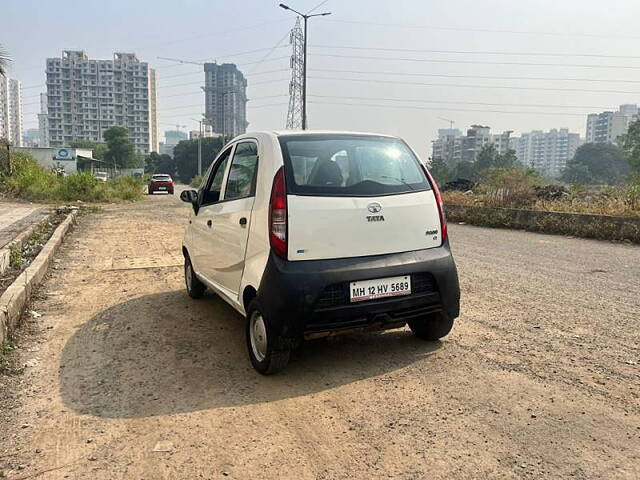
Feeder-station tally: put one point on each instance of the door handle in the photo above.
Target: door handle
(209, 223)
(243, 221)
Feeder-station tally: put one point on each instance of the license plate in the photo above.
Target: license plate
(162, 188)
(380, 288)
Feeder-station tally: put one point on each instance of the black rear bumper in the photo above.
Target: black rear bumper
(312, 296)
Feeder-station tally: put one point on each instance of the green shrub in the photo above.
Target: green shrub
(32, 182)
(125, 188)
(81, 186)
(196, 181)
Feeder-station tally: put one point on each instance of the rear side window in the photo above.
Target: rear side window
(350, 165)
(242, 173)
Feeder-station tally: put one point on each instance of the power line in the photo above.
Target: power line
(200, 83)
(496, 87)
(200, 72)
(183, 115)
(200, 104)
(482, 30)
(485, 77)
(418, 100)
(478, 52)
(447, 109)
(476, 62)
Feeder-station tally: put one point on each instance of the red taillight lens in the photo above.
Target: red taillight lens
(436, 192)
(278, 215)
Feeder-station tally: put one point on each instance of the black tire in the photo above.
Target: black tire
(276, 354)
(150, 192)
(432, 327)
(171, 192)
(195, 288)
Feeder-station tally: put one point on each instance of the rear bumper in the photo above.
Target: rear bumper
(311, 297)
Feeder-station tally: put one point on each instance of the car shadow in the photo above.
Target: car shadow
(166, 353)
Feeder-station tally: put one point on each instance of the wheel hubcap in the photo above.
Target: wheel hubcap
(187, 275)
(258, 336)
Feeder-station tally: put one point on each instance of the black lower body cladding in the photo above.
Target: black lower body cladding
(312, 296)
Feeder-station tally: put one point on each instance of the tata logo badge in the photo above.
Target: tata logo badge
(374, 207)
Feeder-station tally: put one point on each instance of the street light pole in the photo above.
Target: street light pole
(306, 17)
(200, 150)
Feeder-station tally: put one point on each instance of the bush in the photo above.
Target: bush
(196, 181)
(125, 188)
(510, 187)
(32, 182)
(80, 186)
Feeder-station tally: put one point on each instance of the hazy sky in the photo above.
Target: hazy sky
(435, 52)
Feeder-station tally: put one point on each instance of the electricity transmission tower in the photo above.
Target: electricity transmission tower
(294, 115)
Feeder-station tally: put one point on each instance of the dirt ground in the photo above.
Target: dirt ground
(129, 378)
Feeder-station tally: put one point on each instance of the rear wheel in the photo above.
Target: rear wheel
(150, 192)
(195, 288)
(266, 352)
(431, 327)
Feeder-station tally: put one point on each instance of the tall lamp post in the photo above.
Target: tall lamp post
(304, 63)
(201, 121)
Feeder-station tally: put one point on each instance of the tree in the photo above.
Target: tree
(156, 163)
(4, 61)
(185, 155)
(597, 163)
(507, 159)
(630, 143)
(440, 170)
(486, 157)
(120, 150)
(466, 170)
(98, 149)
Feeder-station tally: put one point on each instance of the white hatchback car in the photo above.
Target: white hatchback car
(309, 234)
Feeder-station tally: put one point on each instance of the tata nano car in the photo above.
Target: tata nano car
(309, 234)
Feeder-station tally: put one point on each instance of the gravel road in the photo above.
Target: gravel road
(130, 378)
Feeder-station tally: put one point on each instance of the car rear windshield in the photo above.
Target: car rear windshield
(350, 165)
(161, 178)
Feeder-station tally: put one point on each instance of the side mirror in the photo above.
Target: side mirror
(189, 196)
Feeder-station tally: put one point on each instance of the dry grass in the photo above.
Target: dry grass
(623, 202)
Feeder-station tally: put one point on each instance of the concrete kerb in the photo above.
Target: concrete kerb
(20, 239)
(603, 227)
(16, 296)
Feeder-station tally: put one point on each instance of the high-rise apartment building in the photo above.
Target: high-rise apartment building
(225, 95)
(547, 152)
(606, 127)
(171, 139)
(11, 110)
(453, 147)
(85, 97)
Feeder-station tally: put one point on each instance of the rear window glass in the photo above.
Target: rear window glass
(161, 177)
(350, 165)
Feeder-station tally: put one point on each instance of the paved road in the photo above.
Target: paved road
(16, 217)
(539, 379)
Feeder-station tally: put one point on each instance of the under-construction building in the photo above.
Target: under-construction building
(225, 99)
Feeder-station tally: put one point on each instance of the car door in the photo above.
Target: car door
(233, 219)
(204, 243)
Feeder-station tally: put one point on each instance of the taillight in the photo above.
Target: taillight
(436, 192)
(278, 215)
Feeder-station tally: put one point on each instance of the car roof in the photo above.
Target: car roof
(328, 132)
(278, 133)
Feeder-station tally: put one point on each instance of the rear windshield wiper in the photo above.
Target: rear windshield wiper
(399, 180)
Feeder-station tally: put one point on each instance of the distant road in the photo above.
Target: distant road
(540, 377)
